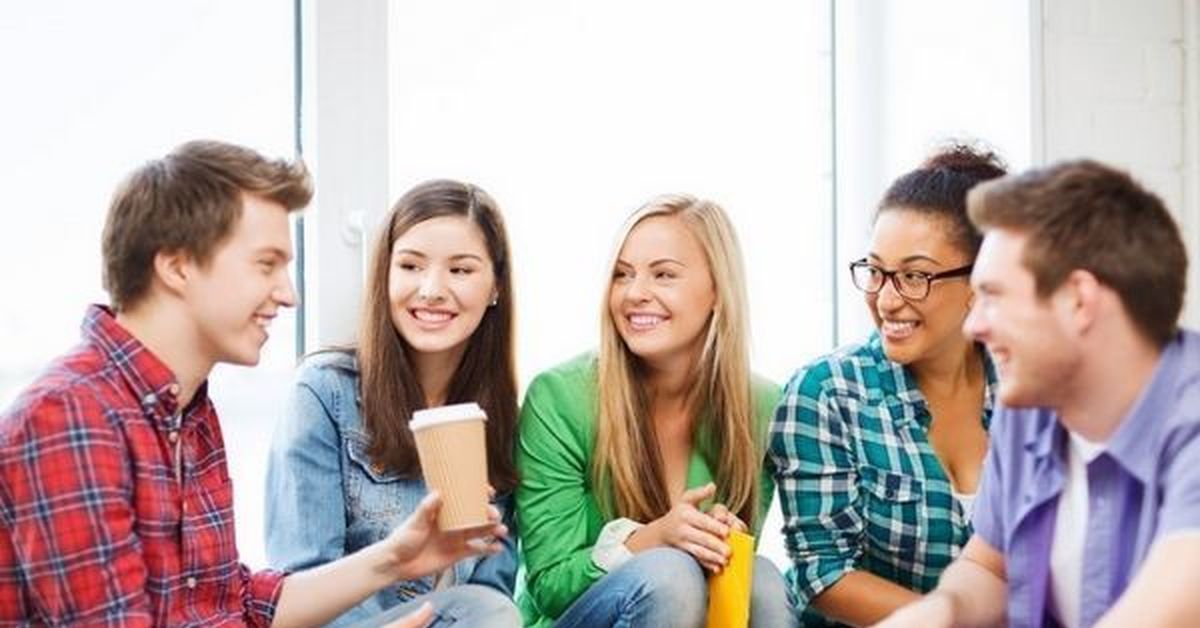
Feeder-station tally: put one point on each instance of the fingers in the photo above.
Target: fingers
(706, 523)
(699, 494)
(721, 513)
(429, 507)
(416, 619)
(491, 493)
(709, 559)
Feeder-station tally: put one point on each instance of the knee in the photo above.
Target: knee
(770, 603)
(478, 605)
(671, 579)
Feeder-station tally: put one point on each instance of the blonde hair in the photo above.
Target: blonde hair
(627, 467)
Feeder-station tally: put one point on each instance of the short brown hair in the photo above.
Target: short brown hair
(1083, 215)
(188, 201)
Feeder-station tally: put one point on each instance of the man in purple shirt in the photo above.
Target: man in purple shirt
(1089, 510)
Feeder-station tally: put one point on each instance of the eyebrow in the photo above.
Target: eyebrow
(658, 262)
(416, 253)
(910, 259)
(273, 250)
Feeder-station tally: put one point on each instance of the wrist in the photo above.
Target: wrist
(644, 538)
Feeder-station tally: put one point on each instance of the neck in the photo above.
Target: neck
(1102, 391)
(949, 372)
(670, 384)
(167, 335)
(434, 372)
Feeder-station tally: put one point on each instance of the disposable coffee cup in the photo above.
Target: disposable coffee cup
(453, 453)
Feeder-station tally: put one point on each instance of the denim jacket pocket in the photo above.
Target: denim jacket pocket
(373, 491)
(895, 511)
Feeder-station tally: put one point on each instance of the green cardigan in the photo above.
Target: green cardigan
(558, 513)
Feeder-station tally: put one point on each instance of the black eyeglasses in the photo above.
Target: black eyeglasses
(911, 284)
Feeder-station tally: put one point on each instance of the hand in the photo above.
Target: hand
(416, 619)
(935, 610)
(688, 529)
(721, 513)
(418, 547)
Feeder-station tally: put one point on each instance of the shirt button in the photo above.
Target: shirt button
(191, 582)
(173, 389)
(172, 436)
(150, 399)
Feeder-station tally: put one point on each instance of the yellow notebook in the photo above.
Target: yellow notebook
(729, 591)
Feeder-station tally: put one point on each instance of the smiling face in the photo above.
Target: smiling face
(1028, 336)
(662, 294)
(440, 283)
(236, 294)
(915, 331)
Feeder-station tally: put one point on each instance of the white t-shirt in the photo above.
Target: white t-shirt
(1070, 532)
(966, 501)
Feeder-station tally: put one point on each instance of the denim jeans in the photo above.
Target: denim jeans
(666, 588)
(461, 606)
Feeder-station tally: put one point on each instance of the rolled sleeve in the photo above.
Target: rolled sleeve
(260, 595)
(816, 473)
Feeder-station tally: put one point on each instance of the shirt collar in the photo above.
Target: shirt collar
(1135, 442)
(899, 382)
(150, 380)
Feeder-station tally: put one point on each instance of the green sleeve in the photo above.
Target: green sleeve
(558, 516)
(766, 397)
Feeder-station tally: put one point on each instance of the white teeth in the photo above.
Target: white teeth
(644, 321)
(898, 328)
(431, 317)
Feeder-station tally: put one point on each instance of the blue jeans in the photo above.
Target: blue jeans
(666, 588)
(460, 606)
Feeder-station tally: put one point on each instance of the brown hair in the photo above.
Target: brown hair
(627, 463)
(188, 201)
(1083, 215)
(939, 188)
(390, 390)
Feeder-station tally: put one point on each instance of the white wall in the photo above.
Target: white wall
(1119, 84)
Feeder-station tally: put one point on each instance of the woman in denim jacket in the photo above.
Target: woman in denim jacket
(436, 329)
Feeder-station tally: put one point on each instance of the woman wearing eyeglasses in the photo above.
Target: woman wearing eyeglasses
(878, 446)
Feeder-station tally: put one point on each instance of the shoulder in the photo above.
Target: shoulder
(573, 380)
(325, 369)
(74, 395)
(847, 371)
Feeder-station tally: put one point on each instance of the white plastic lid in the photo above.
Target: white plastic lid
(446, 414)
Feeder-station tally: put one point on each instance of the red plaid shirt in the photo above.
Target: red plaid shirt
(116, 507)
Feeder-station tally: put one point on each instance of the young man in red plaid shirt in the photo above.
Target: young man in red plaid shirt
(116, 506)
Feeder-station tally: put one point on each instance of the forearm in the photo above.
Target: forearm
(318, 595)
(969, 596)
(861, 598)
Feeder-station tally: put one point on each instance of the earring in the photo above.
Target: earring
(495, 300)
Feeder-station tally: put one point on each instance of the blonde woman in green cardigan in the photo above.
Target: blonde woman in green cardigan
(626, 498)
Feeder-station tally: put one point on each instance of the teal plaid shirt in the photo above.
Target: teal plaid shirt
(860, 485)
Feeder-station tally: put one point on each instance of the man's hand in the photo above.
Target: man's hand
(418, 547)
(932, 611)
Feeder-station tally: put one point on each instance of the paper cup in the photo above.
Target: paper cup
(729, 591)
(453, 453)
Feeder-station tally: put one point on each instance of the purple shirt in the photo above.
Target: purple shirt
(1144, 485)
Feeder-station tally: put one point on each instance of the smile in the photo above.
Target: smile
(898, 330)
(644, 322)
(432, 317)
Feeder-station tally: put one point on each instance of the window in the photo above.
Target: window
(91, 91)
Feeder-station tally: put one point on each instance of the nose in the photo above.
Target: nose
(285, 292)
(636, 289)
(974, 325)
(430, 288)
(888, 298)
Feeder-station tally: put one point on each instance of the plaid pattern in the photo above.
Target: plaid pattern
(860, 485)
(116, 505)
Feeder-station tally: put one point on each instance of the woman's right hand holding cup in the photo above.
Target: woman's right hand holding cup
(687, 528)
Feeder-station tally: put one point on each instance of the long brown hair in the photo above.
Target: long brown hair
(388, 383)
(627, 463)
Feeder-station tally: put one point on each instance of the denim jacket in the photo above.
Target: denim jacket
(325, 499)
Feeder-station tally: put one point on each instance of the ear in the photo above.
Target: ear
(173, 269)
(1081, 293)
